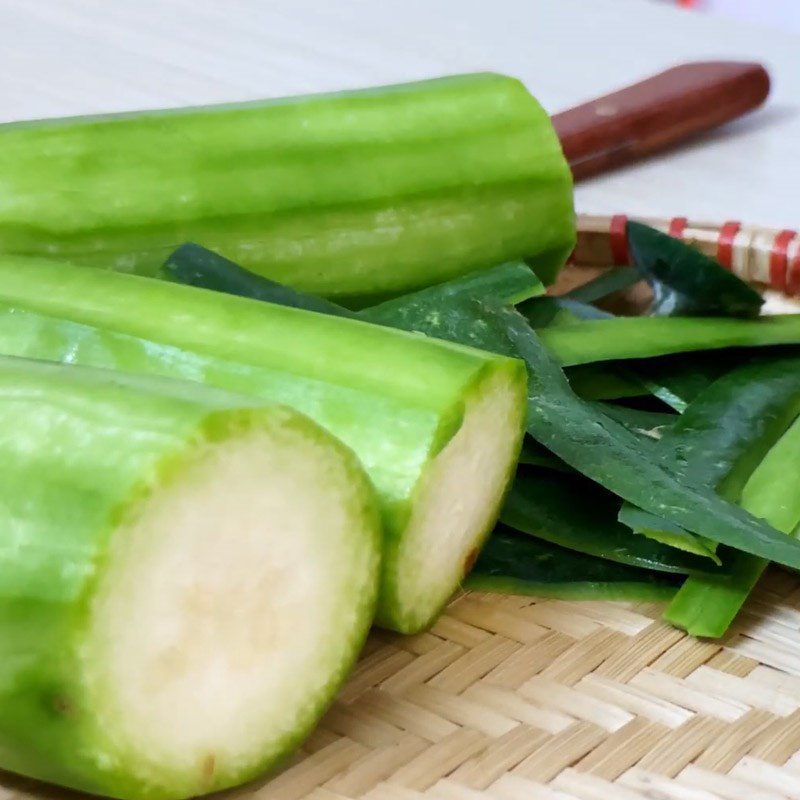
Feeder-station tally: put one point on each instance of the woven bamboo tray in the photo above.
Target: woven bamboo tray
(517, 699)
(514, 698)
(509, 698)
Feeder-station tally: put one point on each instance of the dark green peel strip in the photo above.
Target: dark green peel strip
(197, 266)
(607, 453)
(534, 455)
(706, 606)
(686, 282)
(551, 312)
(604, 382)
(667, 533)
(651, 425)
(577, 514)
(678, 380)
(589, 381)
(615, 280)
(725, 434)
(729, 428)
(507, 284)
(513, 563)
(573, 589)
(619, 591)
(443, 313)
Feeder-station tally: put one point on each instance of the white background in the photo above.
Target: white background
(782, 13)
(80, 56)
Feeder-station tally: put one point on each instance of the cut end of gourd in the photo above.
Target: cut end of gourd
(235, 599)
(457, 502)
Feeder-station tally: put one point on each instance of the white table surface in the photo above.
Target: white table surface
(61, 57)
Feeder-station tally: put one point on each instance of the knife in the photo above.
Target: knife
(657, 113)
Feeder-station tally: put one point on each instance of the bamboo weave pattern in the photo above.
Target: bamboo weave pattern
(517, 699)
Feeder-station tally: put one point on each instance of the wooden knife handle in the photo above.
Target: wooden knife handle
(658, 112)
